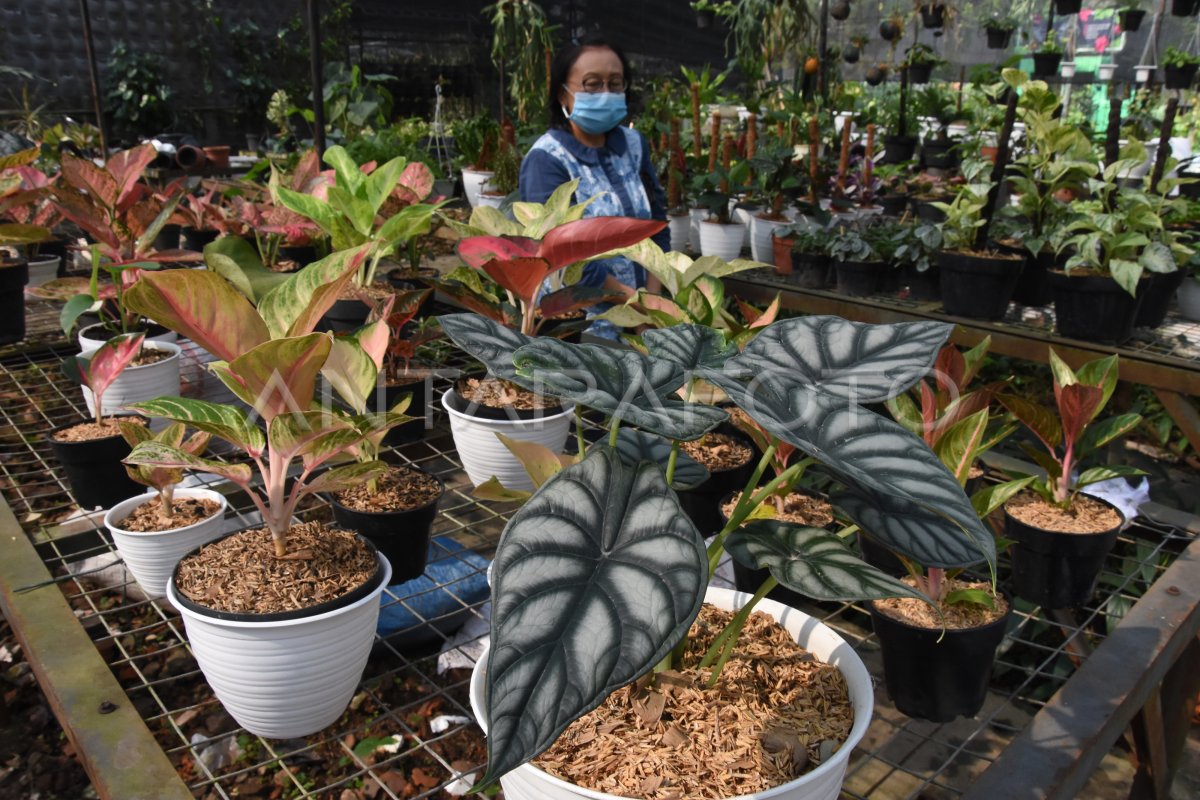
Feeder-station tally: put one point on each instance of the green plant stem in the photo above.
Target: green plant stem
(671, 460)
(613, 431)
(847, 531)
(579, 440)
(744, 507)
(727, 638)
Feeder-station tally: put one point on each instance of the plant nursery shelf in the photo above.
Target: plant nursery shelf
(93, 643)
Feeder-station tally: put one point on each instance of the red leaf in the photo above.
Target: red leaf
(584, 238)
(521, 276)
(84, 176)
(107, 363)
(415, 184)
(574, 298)
(928, 412)
(126, 169)
(476, 251)
(1076, 405)
(949, 369)
(769, 314)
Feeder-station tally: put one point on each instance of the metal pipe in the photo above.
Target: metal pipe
(94, 77)
(318, 84)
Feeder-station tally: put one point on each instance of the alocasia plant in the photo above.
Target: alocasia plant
(600, 573)
(163, 479)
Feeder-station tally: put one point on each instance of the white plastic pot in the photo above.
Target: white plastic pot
(1189, 299)
(761, 231)
(152, 556)
(1143, 72)
(491, 200)
(744, 214)
(722, 241)
(1067, 69)
(484, 455)
(135, 384)
(473, 183)
(1105, 72)
(695, 217)
(1143, 169)
(43, 270)
(527, 782)
(91, 337)
(284, 679)
(679, 227)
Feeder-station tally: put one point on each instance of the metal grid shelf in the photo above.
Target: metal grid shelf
(143, 645)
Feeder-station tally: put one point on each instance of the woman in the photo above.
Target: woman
(588, 85)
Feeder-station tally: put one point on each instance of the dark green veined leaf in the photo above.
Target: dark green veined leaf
(227, 422)
(618, 383)
(486, 340)
(636, 446)
(989, 498)
(596, 578)
(896, 487)
(1105, 431)
(692, 347)
(812, 561)
(851, 360)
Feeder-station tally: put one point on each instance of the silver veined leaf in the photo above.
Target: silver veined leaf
(488, 341)
(691, 347)
(636, 446)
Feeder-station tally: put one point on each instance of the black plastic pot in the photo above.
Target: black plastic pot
(998, 39)
(94, 469)
(925, 285)
(1033, 286)
(704, 19)
(168, 238)
(893, 204)
(417, 407)
(407, 281)
(702, 504)
(938, 154)
(811, 271)
(345, 316)
(1179, 77)
(898, 149)
(192, 239)
(1057, 570)
(919, 73)
(14, 274)
(933, 16)
(1045, 65)
(1130, 19)
(1185, 8)
(978, 287)
(1093, 308)
(1159, 292)
(928, 212)
(402, 536)
(934, 674)
(859, 278)
(303, 255)
(1064, 7)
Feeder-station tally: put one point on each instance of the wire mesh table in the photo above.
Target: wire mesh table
(408, 732)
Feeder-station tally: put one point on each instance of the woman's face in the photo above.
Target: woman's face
(595, 66)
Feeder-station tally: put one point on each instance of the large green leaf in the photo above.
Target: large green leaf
(812, 561)
(307, 206)
(226, 422)
(619, 383)
(851, 360)
(596, 578)
(637, 446)
(294, 307)
(488, 341)
(301, 433)
(692, 347)
(237, 261)
(895, 486)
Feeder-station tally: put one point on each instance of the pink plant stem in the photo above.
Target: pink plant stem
(934, 583)
(1062, 488)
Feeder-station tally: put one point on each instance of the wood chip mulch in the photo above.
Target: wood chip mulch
(718, 451)
(90, 431)
(496, 393)
(775, 713)
(399, 489)
(1087, 514)
(149, 518)
(241, 574)
(798, 508)
(957, 617)
(149, 356)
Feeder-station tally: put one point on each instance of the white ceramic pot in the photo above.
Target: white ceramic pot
(490, 200)
(1143, 72)
(1189, 299)
(761, 231)
(484, 455)
(43, 270)
(679, 227)
(473, 183)
(1067, 69)
(722, 241)
(283, 679)
(743, 215)
(527, 782)
(93, 336)
(1143, 169)
(1105, 72)
(152, 556)
(696, 216)
(135, 384)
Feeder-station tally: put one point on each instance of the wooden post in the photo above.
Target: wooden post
(674, 165)
(93, 77)
(318, 81)
(714, 147)
(869, 165)
(989, 210)
(814, 147)
(726, 161)
(1164, 142)
(698, 139)
(1112, 137)
(751, 135)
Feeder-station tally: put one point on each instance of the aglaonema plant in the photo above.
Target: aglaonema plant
(600, 574)
(271, 358)
(99, 369)
(1069, 432)
(163, 479)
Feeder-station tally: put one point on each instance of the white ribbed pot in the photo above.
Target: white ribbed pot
(135, 384)
(473, 183)
(761, 231)
(1105, 72)
(484, 455)
(722, 241)
(527, 782)
(744, 214)
(152, 555)
(283, 679)
(1189, 299)
(43, 270)
(490, 200)
(679, 225)
(93, 336)
(696, 216)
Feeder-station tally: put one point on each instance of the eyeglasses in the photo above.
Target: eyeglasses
(596, 85)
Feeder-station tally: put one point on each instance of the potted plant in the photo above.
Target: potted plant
(999, 31)
(14, 274)
(401, 373)
(28, 215)
(1130, 16)
(808, 259)
(153, 531)
(857, 260)
(933, 13)
(1189, 290)
(720, 234)
(1185, 8)
(90, 452)
(937, 148)
(1179, 68)
(915, 251)
(475, 139)
(1047, 55)
(314, 638)
(618, 513)
(920, 61)
(1061, 535)
(775, 177)
(506, 173)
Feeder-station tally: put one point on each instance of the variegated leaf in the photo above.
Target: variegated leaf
(227, 422)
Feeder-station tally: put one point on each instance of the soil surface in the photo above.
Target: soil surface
(1087, 514)
(399, 489)
(775, 713)
(375, 292)
(241, 574)
(90, 431)
(719, 451)
(801, 509)
(957, 617)
(496, 393)
(149, 356)
(147, 518)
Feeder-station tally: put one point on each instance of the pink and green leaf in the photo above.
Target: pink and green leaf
(106, 364)
(202, 306)
(476, 251)
(158, 454)
(1037, 418)
(279, 375)
(1077, 405)
(587, 238)
(294, 307)
(345, 477)
(224, 421)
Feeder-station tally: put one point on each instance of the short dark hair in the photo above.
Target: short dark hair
(560, 68)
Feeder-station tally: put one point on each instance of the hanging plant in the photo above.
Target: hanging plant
(875, 75)
(850, 54)
(521, 35)
(840, 10)
(890, 29)
(933, 15)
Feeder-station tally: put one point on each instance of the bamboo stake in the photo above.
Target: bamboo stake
(751, 135)
(989, 210)
(714, 147)
(726, 161)
(698, 139)
(869, 164)
(1164, 142)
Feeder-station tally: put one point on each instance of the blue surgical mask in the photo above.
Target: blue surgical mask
(599, 112)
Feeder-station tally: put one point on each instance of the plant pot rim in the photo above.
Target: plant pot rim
(729, 224)
(354, 598)
(564, 410)
(478, 171)
(49, 435)
(331, 497)
(1073, 535)
(149, 344)
(1001, 620)
(139, 500)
